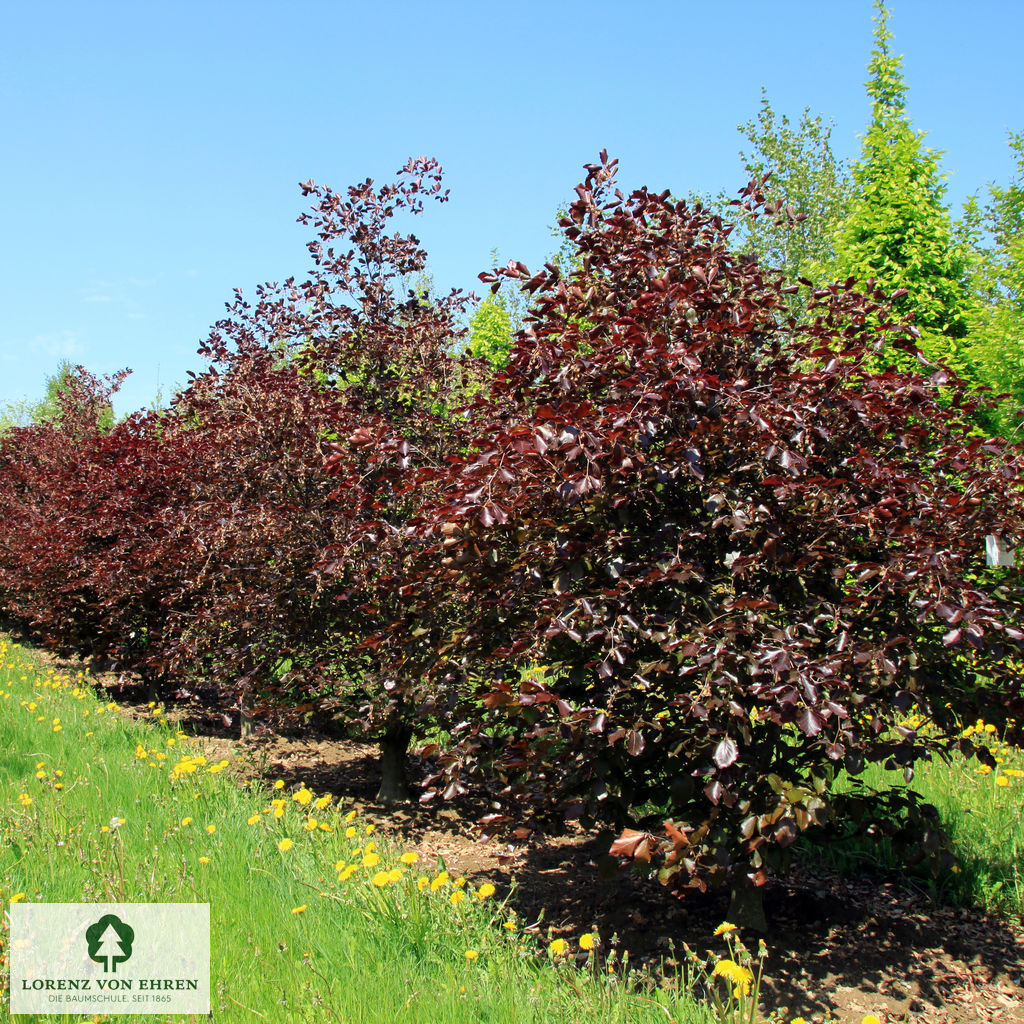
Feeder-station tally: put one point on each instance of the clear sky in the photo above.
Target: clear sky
(152, 152)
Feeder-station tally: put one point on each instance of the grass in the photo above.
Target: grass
(312, 917)
(315, 918)
(982, 811)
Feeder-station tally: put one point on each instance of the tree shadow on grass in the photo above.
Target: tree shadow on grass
(844, 945)
(839, 944)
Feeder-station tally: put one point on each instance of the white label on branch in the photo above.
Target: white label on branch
(997, 552)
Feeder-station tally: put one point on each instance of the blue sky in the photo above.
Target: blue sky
(152, 151)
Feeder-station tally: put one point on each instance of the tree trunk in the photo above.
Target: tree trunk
(746, 909)
(244, 721)
(394, 787)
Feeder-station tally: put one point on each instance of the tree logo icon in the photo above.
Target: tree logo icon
(110, 942)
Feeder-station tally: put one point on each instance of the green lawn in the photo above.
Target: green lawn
(981, 810)
(311, 918)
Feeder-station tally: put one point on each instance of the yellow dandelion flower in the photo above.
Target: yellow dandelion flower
(302, 797)
(409, 857)
(310, 824)
(509, 926)
(324, 827)
(1002, 781)
(381, 879)
(186, 821)
(211, 829)
(351, 816)
(558, 947)
(983, 770)
(486, 890)
(278, 783)
(253, 820)
(299, 910)
(340, 866)
(323, 801)
(17, 896)
(870, 1018)
(471, 954)
(442, 879)
(587, 942)
(734, 972)
(422, 882)
(348, 872)
(40, 775)
(204, 860)
(350, 832)
(989, 729)
(370, 846)
(24, 799)
(457, 897)
(285, 845)
(371, 860)
(724, 928)
(370, 828)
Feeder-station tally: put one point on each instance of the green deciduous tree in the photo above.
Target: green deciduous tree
(50, 408)
(806, 176)
(898, 231)
(996, 342)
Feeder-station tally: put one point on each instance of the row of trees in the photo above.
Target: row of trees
(686, 557)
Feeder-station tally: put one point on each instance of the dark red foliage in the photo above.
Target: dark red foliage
(83, 507)
(703, 559)
(681, 563)
(344, 355)
(185, 545)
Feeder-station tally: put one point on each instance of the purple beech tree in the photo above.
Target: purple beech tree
(315, 371)
(698, 559)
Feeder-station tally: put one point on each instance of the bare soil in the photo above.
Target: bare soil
(839, 946)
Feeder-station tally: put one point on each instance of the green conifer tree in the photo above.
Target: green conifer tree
(898, 230)
(490, 331)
